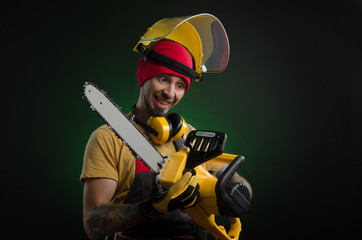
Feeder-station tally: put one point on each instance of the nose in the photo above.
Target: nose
(169, 90)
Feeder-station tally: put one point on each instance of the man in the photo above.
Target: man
(120, 194)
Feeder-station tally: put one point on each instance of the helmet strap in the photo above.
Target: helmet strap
(168, 62)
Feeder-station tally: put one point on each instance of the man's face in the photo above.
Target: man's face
(161, 93)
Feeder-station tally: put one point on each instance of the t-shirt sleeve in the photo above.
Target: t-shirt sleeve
(100, 156)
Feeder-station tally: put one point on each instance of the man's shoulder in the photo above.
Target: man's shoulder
(103, 131)
(189, 128)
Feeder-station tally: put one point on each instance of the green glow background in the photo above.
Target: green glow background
(289, 101)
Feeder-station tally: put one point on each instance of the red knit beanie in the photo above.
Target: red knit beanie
(148, 69)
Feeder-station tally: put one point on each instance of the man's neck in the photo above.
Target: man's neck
(141, 114)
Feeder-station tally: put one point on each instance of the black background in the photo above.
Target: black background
(290, 101)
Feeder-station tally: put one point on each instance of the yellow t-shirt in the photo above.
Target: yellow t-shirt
(107, 157)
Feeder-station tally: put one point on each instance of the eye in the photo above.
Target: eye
(162, 78)
(181, 85)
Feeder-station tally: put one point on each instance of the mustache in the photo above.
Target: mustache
(164, 96)
(151, 111)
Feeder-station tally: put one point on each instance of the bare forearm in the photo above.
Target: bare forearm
(237, 178)
(111, 218)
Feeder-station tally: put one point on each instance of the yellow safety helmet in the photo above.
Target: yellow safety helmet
(202, 35)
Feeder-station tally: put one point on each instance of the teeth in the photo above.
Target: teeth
(163, 102)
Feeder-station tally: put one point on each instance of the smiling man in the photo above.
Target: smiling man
(121, 198)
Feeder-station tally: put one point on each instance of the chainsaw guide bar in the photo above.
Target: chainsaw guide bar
(124, 128)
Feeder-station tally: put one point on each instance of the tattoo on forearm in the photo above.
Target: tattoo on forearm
(110, 218)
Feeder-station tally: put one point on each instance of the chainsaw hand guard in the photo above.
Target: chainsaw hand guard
(204, 145)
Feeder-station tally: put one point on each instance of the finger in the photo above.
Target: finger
(193, 181)
(181, 185)
(195, 198)
(187, 198)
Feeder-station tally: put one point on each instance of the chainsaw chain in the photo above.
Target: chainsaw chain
(111, 128)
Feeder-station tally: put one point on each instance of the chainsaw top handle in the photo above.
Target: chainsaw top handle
(233, 198)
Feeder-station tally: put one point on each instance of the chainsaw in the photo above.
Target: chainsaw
(218, 196)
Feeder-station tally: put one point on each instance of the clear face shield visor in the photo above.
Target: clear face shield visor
(203, 35)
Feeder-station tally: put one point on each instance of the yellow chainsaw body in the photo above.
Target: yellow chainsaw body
(206, 209)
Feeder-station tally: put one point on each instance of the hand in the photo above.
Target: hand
(183, 194)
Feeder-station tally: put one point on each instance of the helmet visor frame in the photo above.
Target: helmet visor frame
(202, 34)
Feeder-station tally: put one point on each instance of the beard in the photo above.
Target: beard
(153, 111)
